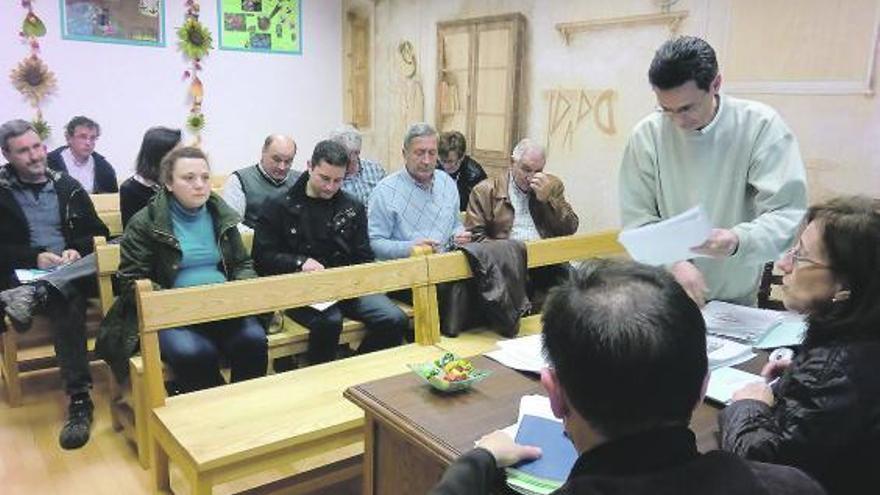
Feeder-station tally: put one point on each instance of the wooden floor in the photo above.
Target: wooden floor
(31, 462)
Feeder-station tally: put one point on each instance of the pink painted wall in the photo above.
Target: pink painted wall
(130, 88)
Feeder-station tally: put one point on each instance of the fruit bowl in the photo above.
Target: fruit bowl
(449, 373)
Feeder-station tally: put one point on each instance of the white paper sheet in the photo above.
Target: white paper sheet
(725, 352)
(789, 332)
(524, 354)
(723, 382)
(740, 322)
(321, 306)
(670, 240)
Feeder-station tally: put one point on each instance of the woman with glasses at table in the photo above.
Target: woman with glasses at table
(186, 236)
(822, 415)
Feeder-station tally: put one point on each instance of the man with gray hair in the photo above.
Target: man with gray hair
(247, 189)
(47, 222)
(416, 206)
(524, 204)
(362, 175)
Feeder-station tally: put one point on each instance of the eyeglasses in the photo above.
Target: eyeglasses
(795, 255)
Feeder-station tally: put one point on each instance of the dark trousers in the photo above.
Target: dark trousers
(385, 323)
(194, 352)
(66, 310)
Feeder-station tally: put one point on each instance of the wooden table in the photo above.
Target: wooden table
(413, 432)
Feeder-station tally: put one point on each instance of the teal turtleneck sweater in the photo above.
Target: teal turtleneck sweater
(194, 230)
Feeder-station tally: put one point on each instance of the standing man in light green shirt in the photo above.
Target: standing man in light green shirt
(735, 157)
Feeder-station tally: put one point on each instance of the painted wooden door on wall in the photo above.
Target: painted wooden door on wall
(479, 84)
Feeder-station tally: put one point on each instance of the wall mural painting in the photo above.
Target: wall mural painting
(137, 22)
(570, 110)
(273, 26)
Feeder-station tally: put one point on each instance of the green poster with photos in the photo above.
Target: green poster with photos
(273, 26)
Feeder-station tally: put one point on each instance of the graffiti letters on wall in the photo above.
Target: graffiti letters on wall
(575, 112)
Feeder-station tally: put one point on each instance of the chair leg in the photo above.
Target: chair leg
(159, 462)
(201, 485)
(141, 435)
(115, 393)
(10, 366)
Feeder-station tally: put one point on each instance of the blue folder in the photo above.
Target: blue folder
(558, 454)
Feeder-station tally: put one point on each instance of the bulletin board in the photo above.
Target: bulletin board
(269, 26)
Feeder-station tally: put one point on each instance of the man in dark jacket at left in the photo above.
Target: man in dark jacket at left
(317, 226)
(47, 221)
(80, 160)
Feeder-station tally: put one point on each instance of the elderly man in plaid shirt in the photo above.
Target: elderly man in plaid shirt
(362, 175)
(416, 206)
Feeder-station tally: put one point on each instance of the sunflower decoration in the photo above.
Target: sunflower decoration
(33, 79)
(194, 39)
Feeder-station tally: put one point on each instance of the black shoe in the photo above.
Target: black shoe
(22, 302)
(75, 432)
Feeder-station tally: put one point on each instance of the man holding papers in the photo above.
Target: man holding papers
(625, 389)
(736, 158)
(315, 226)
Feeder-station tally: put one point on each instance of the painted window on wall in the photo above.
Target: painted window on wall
(271, 26)
(136, 22)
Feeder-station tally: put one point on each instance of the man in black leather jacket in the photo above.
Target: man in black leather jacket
(316, 226)
(625, 388)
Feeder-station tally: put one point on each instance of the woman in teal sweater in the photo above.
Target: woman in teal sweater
(187, 236)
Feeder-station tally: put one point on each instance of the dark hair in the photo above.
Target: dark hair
(12, 129)
(80, 121)
(628, 346)
(851, 238)
(331, 153)
(166, 168)
(157, 142)
(451, 141)
(683, 59)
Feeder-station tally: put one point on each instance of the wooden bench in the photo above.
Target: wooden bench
(283, 419)
(299, 416)
(127, 411)
(108, 210)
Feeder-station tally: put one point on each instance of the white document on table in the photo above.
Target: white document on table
(523, 354)
(532, 405)
(669, 240)
(740, 322)
(723, 382)
(725, 352)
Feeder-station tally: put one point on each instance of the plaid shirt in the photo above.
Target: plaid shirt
(401, 212)
(361, 184)
(523, 228)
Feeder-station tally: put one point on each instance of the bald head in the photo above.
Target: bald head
(277, 157)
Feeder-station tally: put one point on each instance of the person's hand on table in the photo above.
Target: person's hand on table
(505, 450)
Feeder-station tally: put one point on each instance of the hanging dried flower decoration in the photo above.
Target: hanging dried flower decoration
(195, 41)
(32, 77)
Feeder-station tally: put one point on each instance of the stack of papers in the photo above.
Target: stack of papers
(742, 323)
(725, 381)
(524, 354)
(670, 240)
(537, 426)
(726, 352)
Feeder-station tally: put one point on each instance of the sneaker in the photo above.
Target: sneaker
(75, 432)
(22, 302)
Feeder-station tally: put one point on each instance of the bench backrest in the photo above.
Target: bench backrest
(107, 208)
(159, 310)
(454, 266)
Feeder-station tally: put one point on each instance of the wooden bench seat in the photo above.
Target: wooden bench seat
(108, 210)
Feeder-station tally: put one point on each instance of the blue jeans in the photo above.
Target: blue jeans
(385, 322)
(194, 352)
